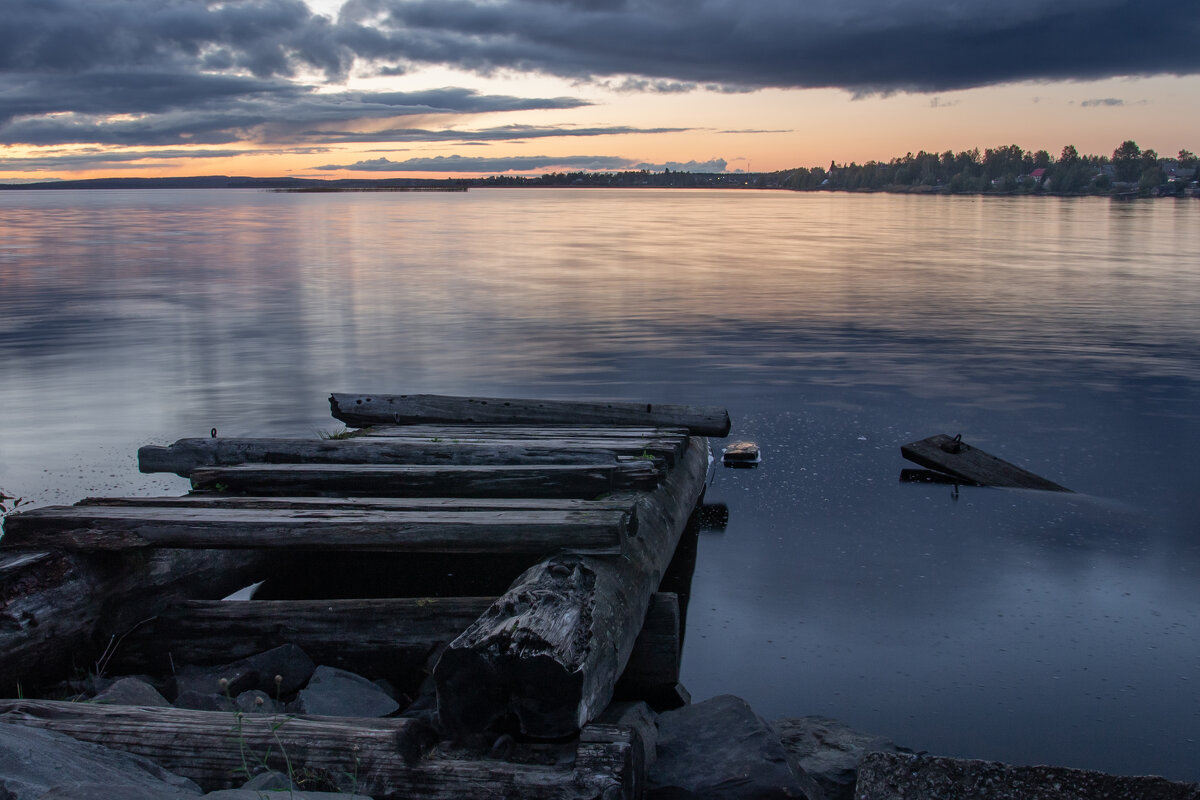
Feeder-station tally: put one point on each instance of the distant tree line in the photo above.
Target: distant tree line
(1002, 170)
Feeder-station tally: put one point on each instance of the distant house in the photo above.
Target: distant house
(1175, 173)
(1038, 174)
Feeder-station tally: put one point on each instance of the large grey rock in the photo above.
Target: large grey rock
(888, 776)
(256, 701)
(338, 693)
(36, 763)
(204, 701)
(829, 751)
(131, 692)
(721, 750)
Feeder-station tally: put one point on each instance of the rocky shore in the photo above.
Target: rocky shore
(719, 748)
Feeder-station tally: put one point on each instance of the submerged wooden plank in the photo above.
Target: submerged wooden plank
(385, 758)
(90, 528)
(952, 456)
(186, 455)
(549, 651)
(384, 409)
(400, 480)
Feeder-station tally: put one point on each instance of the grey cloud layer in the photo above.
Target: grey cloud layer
(861, 45)
(200, 72)
(483, 164)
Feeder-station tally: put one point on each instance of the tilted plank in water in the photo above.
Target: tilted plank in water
(952, 456)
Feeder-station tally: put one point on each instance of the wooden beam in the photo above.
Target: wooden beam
(185, 455)
(107, 528)
(618, 501)
(502, 480)
(384, 758)
(465, 432)
(58, 610)
(549, 651)
(359, 410)
(954, 457)
(389, 637)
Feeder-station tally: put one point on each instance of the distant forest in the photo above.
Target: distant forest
(1001, 170)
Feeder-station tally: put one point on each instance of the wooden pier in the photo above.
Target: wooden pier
(507, 553)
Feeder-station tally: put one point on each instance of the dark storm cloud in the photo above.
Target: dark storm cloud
(167, 72)
(864, 46)
(483, 164)
(504, 133)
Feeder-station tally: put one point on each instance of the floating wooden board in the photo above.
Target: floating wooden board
(390, 758)
(384, 409)
(401, 480)
(186, 455)
(88, 528)
(960, 460)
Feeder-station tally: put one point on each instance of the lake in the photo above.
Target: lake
(1059, 334)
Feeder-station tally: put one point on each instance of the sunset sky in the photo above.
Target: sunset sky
(437, 88)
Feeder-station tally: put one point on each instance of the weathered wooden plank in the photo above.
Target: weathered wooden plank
(955, 457)
(359, 410)
(620, 501)
(384, 758)
(392, 637)
(462, 432)
(549, 651)
(399, 480)
(57, 610)
(186, 455)
(91, 528)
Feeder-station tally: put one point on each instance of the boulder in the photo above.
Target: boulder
(829, 751)
(721, 750)
(338, 693)
(256, 701)
(887, 776)
(256, 794)
(131, 692)
(204, 701)
(48, 765)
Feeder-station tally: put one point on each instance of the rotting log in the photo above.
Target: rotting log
(185, 455)
(549, 651)
(402, 480)
(383, 758)
(390, 637)
(954, 457)
(58, 610)
(104, 528)
(359, 410)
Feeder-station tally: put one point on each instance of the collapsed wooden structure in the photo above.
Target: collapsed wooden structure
(569, 512)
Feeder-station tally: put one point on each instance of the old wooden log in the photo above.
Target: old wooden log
(549, 651)
(954, 457)
(91, 528)
(465, 432)
(59, 611)
(384, 758)
(617, 501)
(390, 637)
(185, 455)
(398, 480)
(383, 409)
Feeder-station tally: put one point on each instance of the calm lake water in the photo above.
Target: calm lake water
(1063, 335)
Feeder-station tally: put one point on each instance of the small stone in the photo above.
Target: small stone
(829, 751)
(131, 692)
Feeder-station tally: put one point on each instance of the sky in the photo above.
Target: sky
(454, 88)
